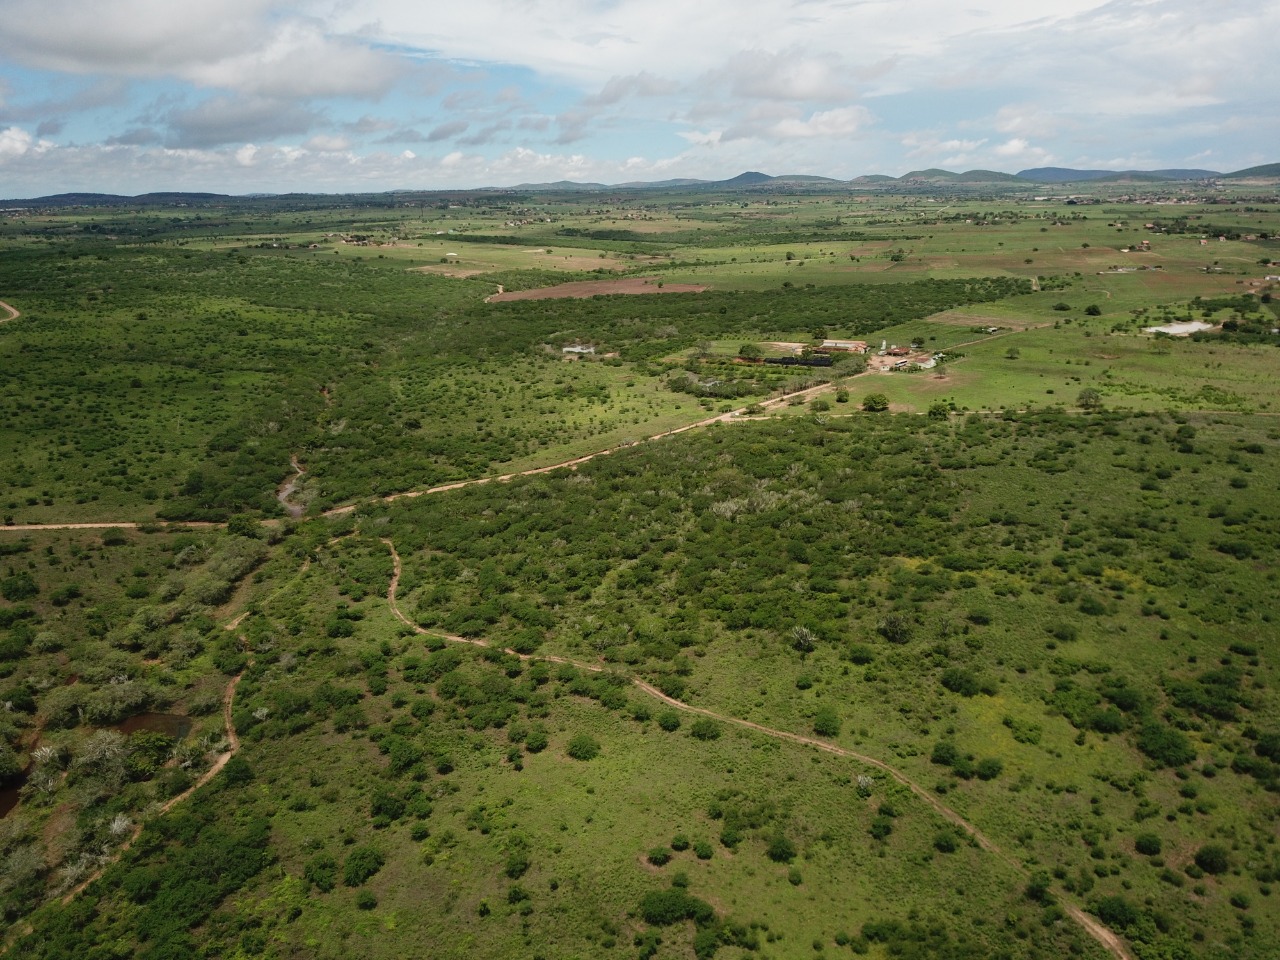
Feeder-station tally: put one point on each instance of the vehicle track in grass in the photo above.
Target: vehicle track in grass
(1098, 931)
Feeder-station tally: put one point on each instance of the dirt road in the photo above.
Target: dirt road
(1098, 931)
(290, 486)
(13, 312)
(730, 417)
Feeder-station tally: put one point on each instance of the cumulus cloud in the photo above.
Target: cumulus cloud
(15, 141)
(221, 120)
(252, 46)
(1020, 151)
(791, 74)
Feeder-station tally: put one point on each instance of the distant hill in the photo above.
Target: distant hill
(914, 181)
(1266, 170)
(933, 173)
(561, 185)
(803, 178)
(748, 179)
(1068, 175)
(987, 176)
(114, 200)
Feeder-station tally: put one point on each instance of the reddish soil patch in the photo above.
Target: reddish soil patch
(590, 288)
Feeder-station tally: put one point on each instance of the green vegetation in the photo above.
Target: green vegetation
(822, 676)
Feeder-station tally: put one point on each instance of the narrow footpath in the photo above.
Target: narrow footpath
(1098, 931)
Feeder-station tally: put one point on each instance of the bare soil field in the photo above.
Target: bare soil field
(590, 288)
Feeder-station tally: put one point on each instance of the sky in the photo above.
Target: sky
(277, 96)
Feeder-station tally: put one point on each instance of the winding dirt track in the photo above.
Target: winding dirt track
(290, 486)
(1100, 933)
(731, 416)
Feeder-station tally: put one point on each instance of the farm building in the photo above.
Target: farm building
(844, 346)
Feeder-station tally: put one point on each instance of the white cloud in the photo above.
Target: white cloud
(259, 47)
(1020, 151)
(841, 122)
(14, 142)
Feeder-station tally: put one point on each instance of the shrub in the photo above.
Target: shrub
(536, 741)
(780, 849)
(1213, 858)
(19, 586)
(989, 768)
(1147, 844)
(583, 747)
(896, 628)
(945, 753)
(946, 841)
(826, 722)
(669, 720)
(659, 856)
(362, 863)
(322, 872)
(662, 908)
(704, 728)
(860, 654)
(365, 900)
(1164, 745)
(703, 850)
(237, 772)
(1116, 912)
(961, 681)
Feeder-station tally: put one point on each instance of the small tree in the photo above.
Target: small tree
(875, 403)
(780, 849)
(896, 628)
(583, 747)
(1213, 859)
(1089, 399)
(826, 722)
(704, 728)
(750, 351)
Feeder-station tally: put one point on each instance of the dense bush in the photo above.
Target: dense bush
(583, 747)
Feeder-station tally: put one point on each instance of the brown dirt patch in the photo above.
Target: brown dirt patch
(445, 270)
(591, 288)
